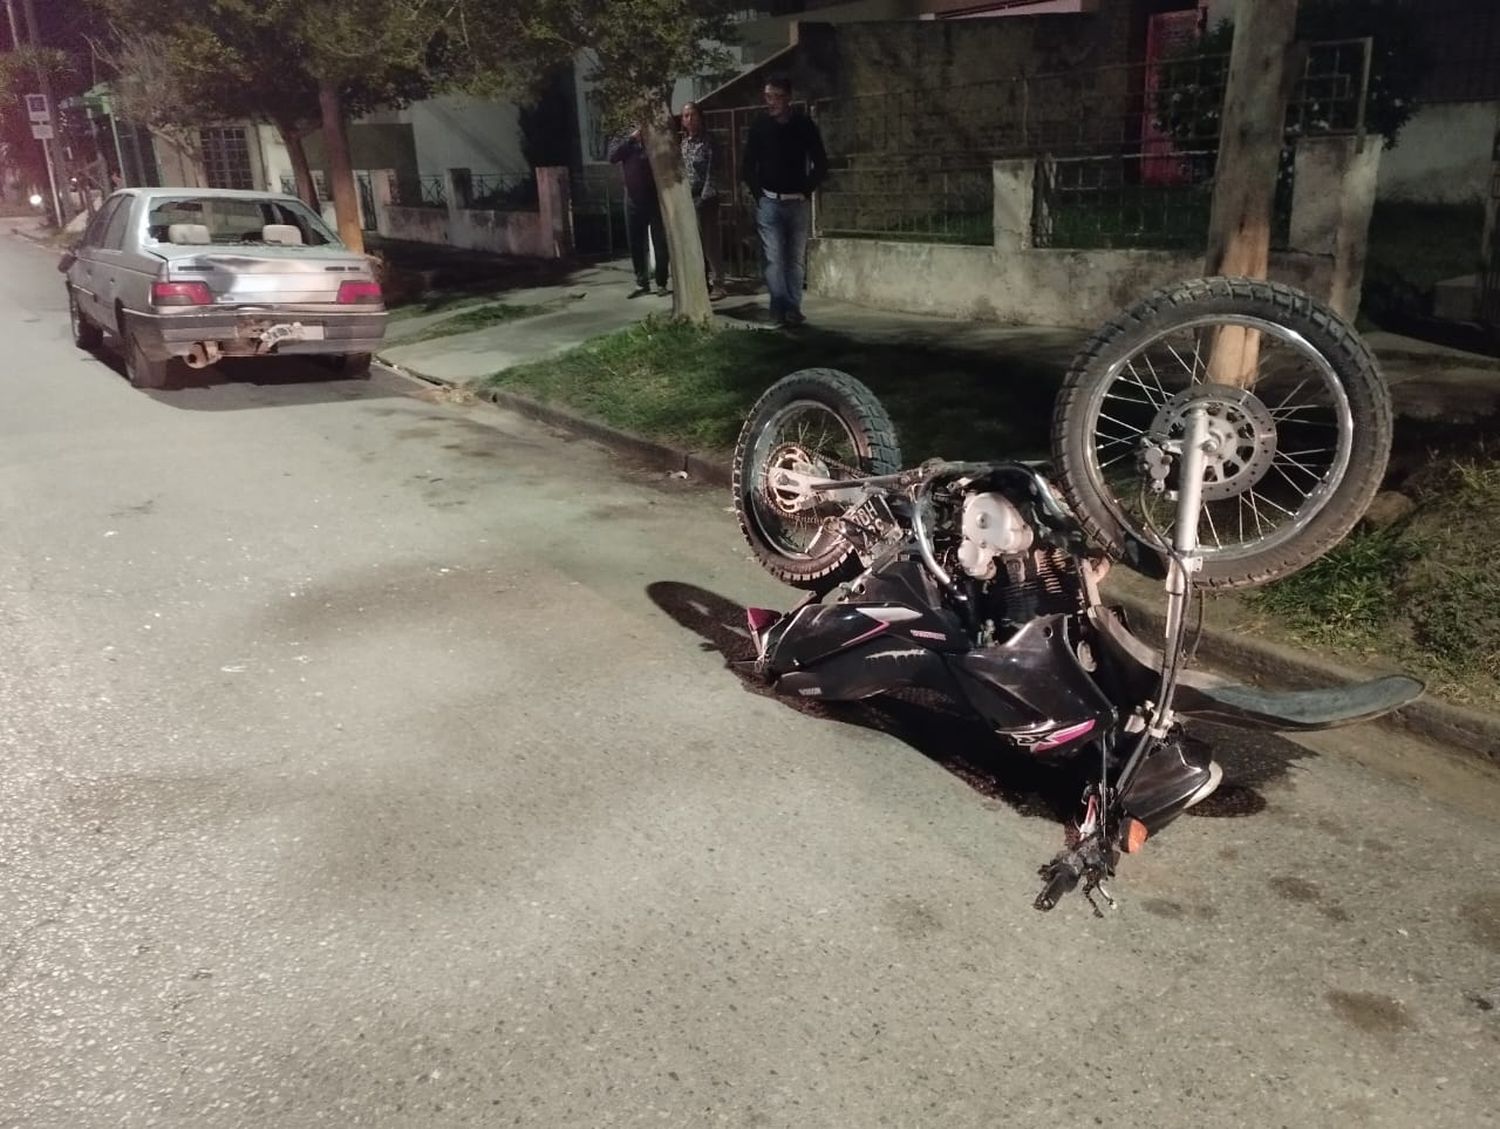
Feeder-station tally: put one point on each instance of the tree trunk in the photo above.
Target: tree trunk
(307, 189)
(340, 170)
(680, 218)
(1250, 142)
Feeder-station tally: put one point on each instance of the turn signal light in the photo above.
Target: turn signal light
(359, 293)
(181, 294)
(1135, 835)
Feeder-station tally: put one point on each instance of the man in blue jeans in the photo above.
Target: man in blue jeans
(784, 164)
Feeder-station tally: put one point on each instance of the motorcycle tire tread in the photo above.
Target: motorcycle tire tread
(880, 453)
(1325, 330)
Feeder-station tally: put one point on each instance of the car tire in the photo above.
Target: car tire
(144, 372)
(86, 335)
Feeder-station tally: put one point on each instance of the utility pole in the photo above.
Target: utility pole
(1251, 137)
(48, 144)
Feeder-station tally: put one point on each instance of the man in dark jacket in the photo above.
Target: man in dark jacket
(642, 212)
(784, 164)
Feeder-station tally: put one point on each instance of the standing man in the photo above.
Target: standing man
(784, 164)
(642, 212)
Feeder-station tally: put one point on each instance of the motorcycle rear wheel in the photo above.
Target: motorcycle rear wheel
(1302, 424)
(822, 422)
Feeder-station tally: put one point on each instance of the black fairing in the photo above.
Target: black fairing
(876, 667)
(898, 606)
(1032, 685)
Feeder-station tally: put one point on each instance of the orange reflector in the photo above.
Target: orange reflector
(1135, 835)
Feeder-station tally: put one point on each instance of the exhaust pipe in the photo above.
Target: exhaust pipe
(203, 354)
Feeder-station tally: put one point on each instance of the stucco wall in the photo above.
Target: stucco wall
(1442, 156)
(1027, 287)
(546, 232)
(459, 132)
(421, 225)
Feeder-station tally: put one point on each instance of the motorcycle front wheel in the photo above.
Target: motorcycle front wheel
(1299, 419)
(817, 423)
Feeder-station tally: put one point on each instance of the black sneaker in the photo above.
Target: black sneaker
(795, 318)
(640, 288)
(661, 290)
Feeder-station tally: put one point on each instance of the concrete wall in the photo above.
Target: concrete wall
(545, 233)
(460, 132)
(178, 160)
(1442, 156)
(420, 225)
(1032, 287)
(1015, 283)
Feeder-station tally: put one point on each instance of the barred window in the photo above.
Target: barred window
(226, 157)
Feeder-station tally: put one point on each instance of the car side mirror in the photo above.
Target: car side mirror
(65, 261)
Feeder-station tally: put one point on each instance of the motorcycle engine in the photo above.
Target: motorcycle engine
(991, 527)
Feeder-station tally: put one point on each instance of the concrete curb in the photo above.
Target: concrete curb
(1467, 731)
(1259, 660)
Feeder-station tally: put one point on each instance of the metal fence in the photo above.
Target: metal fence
(1127, 152)
(499, 191)
(422, 192)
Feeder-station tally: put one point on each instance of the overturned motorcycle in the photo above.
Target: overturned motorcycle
(1221, 433)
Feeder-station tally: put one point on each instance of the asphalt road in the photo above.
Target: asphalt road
(371, 760)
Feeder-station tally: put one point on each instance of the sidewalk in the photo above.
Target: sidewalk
(1429, 383)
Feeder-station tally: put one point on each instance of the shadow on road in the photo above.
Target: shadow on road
(262, 383)
(948, 735)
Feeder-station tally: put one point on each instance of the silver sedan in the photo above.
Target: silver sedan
(189, 275)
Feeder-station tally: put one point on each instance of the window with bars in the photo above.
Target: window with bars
(226, 157)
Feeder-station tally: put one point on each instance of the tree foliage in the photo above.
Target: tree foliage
(639, 48)
(209, 61)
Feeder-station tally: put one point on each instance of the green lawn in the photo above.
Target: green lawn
(692, 386)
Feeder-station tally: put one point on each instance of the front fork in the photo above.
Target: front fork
(1104, 829)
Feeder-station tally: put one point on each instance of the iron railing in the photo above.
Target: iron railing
(503, 191)
(1128, 150)
(421, 192)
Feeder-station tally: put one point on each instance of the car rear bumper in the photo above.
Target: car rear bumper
(243, 333)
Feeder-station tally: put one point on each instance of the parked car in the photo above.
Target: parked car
(189, 275)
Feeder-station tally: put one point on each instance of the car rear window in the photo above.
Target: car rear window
(235, 221)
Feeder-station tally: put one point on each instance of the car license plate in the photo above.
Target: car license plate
(291, 331)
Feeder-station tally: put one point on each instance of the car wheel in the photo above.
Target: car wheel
(86, 335)
(142, 370)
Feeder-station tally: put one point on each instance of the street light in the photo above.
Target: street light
(36, 200)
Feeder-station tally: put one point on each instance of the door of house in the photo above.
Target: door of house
(367, 216)
(1168, 35)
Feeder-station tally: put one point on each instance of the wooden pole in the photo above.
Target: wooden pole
(1261, 75)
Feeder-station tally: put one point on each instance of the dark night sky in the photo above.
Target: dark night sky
(66, 24)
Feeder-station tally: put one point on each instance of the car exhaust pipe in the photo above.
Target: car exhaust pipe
(203, 354)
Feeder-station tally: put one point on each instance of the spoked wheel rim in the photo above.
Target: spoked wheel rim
(1280, 425)
(807, 438)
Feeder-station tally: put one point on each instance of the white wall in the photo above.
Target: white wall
(1443, 155)
(275, 161)
(460, 132)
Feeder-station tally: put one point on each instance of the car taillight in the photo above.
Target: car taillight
(181, 294)
(359, 293)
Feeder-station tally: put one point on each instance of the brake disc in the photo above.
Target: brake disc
(1241, 436)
